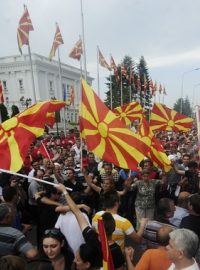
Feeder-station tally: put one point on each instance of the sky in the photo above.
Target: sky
(165, 32)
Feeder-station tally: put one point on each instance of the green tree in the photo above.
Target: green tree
(127, 84)
(186, 106)
(3, 113)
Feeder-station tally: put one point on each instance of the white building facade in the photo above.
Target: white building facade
(15, 74)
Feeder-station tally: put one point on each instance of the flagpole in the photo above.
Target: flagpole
(80, 113)
(98, 88)
(83, 39)
(60, 80)
(33, 178)
(130, 84)
(111, 98)
(32, 76)
(121, 89)
(46, 152)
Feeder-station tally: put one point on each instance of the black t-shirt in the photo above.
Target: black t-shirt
(94, 245)
(192, 185)
(191, 222)
(117, 255)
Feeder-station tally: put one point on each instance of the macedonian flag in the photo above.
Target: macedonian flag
(17, 133)
(164, 118)
(129, 112)
(156, 152)
(58, 40)
(106, 135)
(24, 27)
(107, 256)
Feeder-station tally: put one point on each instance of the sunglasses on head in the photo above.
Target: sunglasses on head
(53, 232)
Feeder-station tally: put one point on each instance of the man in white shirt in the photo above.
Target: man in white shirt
(68, 225)
(182, 248)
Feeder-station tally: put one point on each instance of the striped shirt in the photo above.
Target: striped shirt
(123, 227)
(12, 241)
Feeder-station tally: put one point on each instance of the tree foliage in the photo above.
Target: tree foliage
(186, 106)
(135, 86)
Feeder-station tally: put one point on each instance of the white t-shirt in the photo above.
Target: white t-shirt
(69, 226)
(194, 266)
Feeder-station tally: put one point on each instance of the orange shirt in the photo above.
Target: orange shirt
(154, 259)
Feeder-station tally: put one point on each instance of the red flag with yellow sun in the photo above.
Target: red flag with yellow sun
(156, 152)
(18, 132)
(105, 135)
(107, 256)
(164, 118)
(129, 112)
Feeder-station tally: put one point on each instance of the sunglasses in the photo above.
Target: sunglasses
(53, 232)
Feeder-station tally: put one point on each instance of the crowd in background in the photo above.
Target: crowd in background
(159, 211)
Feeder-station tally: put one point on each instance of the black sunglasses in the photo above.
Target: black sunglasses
(53, 232)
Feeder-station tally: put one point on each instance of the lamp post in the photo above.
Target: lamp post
(182, 80)
(193, 94)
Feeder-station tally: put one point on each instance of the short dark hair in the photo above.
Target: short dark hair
(12, 262)
(192, 164)
(194, 201)
(110, 198)
(109, 223)
(91, 254)
(9, 193)
(164, 206)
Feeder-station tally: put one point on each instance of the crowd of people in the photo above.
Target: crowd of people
(158, 211)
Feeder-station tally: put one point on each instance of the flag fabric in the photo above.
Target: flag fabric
(164, 118)
(151, 86)
(58, 40)
(114, 67)
(71, 94)
(107, 256)
(77, 50)
(102, 61)
(156, 151)
(42, 150)
(138, 83)
(145, 85)
(105, 135)
(164, 91)
(51, 119)
(160, 89)
(24, 27)
(154, 90)
(17, 133)
(124, 71)
(1, 93)
(64, 93)
(129, 112)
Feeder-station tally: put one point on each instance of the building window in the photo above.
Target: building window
(51, 89)
(5, 86)
(21, 85)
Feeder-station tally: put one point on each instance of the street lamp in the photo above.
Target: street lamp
(183, 75)
(193, 93)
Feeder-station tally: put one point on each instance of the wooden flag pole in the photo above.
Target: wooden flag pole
(98, 87)
(83, 39)
(33, 178)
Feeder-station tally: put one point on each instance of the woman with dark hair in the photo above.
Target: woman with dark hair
(56, 249)
(11, 262)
